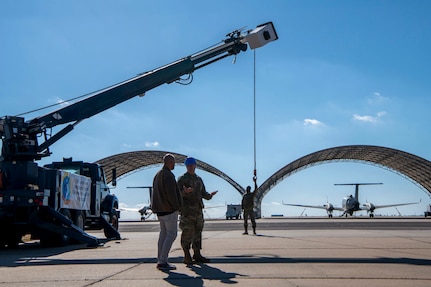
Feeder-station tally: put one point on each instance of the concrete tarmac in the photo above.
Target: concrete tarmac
(274, 257)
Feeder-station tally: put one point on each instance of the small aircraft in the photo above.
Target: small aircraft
(350, 204)
(145, 211)
(327, 206)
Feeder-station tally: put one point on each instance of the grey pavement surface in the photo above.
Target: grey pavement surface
(296, 257)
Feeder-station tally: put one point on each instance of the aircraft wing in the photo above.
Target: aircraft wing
(338, 208)
(144, 208)
(213, 206)
(145, 211)
(129, 209)
(371, 207)
(326, 206)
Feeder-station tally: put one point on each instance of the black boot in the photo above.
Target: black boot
(245, 230)
(187, 257)
(199, 258)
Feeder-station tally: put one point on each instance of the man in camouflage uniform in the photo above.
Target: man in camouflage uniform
(248, 207)
(192, 220)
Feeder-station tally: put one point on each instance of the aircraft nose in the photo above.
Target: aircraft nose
(350, 204)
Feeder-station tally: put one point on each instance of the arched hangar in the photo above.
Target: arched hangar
(414, 168)
(131, 162)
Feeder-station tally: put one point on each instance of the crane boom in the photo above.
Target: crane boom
(19, 136)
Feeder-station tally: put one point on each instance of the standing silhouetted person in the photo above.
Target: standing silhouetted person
(247, 205)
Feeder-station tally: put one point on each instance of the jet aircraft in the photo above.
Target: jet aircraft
(350, 204)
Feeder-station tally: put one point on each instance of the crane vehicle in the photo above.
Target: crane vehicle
(36, 199)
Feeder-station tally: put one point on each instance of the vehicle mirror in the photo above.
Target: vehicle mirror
(114, 177)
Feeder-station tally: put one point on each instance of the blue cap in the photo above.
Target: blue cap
(189, 161)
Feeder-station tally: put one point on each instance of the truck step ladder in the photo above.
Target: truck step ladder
(110, 232)
(66, 227)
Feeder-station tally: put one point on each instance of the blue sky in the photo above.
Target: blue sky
(341, 73)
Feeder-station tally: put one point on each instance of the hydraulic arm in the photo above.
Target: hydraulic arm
(20, 137)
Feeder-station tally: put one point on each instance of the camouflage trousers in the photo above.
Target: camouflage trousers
(191, 226)
(249, 212)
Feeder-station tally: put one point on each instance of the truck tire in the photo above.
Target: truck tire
(113, 220)
(79, 219)
(63, 240)
(11, 239)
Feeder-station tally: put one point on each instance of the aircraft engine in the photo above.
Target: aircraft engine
(370, 206)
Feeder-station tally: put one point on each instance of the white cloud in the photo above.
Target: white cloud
(364, 118)
(374, 100)
(312, 122)
(369, 119)
(152, 144)
(377, 98)
(59, 102)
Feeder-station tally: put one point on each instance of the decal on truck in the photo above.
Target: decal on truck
(75, 191)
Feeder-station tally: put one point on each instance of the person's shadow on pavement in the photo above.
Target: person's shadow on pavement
(211, 273)
(183, 280)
